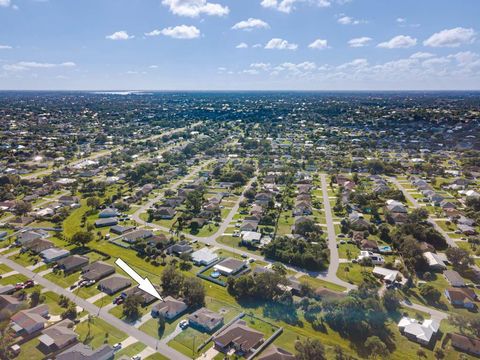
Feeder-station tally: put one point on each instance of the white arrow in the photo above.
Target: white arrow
(143, 284)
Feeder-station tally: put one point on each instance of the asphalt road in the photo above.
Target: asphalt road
(128, 329)
(106, 152)
(416, 205)
(331, 274)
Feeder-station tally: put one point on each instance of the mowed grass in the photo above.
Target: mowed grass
(317, 283)
(131, 350)
(98, 332)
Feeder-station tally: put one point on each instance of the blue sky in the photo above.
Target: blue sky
(239, 44)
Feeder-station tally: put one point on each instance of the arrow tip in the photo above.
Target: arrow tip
(148, 287)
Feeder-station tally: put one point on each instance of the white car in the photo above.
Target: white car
(183, 324)
(136, 357)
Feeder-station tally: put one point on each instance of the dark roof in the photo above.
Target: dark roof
(206, 318)
(97, 270)
(61, 334)
(240, 335)
(466, 343)
(276, 353)
(147, 298)
(114, 283)
(85, 352)
(73, 261)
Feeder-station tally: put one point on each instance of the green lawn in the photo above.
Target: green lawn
(29, 350)
(62, 280)
(156, 356)
(316, 283)
(354, 273)
(131, 350)
(4, 269)
(188, 341)
(98, 332)
(13, 279)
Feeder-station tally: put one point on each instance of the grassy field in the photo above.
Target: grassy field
(98, 332)
(130, 350)
(316, 283)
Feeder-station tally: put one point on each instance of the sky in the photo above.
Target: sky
(239, 44)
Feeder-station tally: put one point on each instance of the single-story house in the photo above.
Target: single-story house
(137, 235)
(146, 297)
(179, 248)
(9, 305)
(249, 225)
(434, 261)
(30, 320)
(251, 237)
(275, 353)
(205, 319)
(72, 263)
(58, 336)
(229, 266)
(108, 213)
(114, 284)
(165, 212)
(170, 308)
(53, 254)
(462, 297)
(465, 343)
(97, 270)
(422, 333)
(84, 352)
(204, 257)
(106, 222)
(454, 278)
(38, 245)
(238, 337)
(467, 229)
(120, 229)
(387, 275)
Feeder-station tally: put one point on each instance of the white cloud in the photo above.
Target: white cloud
(421, 55)
(466, 58)
(319, 44)
(451, 37)
(257, 46)
(242, 46)
(5, 47)
(261, 66)
(401, 20)
(5, 3)
(348, 20)
(251, 72)
(356, 64)
(153, 67)
(287, 6)
(398, 42)
(195, 8)
(251, 24)
(177, 32)
(28, 65)
(280, 44)
(359, 42)
(119, 35)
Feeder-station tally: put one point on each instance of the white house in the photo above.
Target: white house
(421, 333)
(434, 261)
(204, 256)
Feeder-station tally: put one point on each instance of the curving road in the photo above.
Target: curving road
(128, 329)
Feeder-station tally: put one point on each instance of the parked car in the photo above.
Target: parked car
(183, 324)
(19, 286)
(117, 346)
(28, 284)
(136, 357)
